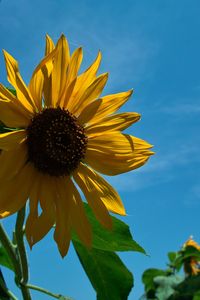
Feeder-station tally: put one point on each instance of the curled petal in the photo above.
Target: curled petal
(99, 194)
(116, 153)
(116, 122)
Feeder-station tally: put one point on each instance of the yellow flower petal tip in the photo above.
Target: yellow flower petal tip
(4, 214)
(191, 242)
(66, 134)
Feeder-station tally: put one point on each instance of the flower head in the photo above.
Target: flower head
(65, 135)
(191, 264)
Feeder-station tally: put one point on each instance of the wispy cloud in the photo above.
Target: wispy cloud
(183, 108)
(196, 191)
(193, 196)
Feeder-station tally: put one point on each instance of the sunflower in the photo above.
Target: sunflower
(191, 264)
(63, 135)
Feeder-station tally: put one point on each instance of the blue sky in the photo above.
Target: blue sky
(153, 47)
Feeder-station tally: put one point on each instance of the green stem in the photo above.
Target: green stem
(19, 235)
(6, 290)
(39, 289)
(11, 295)
(20, 244)
(11, 250)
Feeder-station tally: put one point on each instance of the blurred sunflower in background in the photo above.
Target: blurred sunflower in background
(191, 264)
(63, 135)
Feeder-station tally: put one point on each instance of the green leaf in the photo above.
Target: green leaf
(172, 256)
(196, 296)
(5, 259)
(175, 259)
(108, 275)
(190, 251)
(117, 239)
(148, 278)
(12, 91)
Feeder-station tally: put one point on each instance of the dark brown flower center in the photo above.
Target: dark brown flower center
(56, 142)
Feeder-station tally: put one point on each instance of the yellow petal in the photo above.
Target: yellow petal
(88, 112)
(116, 153)
(91, 93)
(117, 142)
(49, 45)
(93, 196)
(74, 65)
(12, 161)
(24, 108)
(33, 208)
(110, 104)
(40, 227)
(83, 81)
(11, 116)
(97, 191)
(65, 97)
(46, 62)
(112, 123)
(17, 82)
(15, 192)
(47, 88)
(41, 79)
(59, 72)
(112, 142)
(45, 221)
(36, 88)
(111, 165)
(63, 209)
(11, 140)
(71, 77)
(79, 220)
